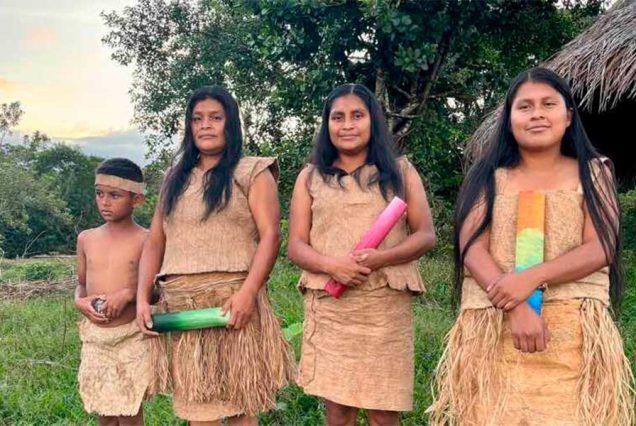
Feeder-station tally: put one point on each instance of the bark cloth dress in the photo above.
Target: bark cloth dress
(218, 372)
(357, 350)
(583, 378)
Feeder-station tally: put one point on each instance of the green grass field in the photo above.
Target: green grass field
(39, 352)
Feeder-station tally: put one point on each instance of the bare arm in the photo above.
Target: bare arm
(151, 256)
(529, 332)
(80, 290)
(298, 249)
(263, 204)
(149, 266)
(84, 303)
(478, 260)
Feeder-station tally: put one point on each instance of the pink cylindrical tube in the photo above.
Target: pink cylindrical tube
(373, 238)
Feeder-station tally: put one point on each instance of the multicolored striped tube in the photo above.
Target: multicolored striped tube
(374, 237)
(189, 320)
(530, 240)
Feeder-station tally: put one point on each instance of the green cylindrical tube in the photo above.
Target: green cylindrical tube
(189, 320)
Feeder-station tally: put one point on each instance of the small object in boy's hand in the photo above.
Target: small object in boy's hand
(98, 304)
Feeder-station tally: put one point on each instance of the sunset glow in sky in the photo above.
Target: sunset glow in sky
(54, 63)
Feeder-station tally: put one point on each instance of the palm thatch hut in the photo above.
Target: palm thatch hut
(600, 65)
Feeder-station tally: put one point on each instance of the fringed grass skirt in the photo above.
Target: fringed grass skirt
(358, 350)
(583, 378)
(220, 372)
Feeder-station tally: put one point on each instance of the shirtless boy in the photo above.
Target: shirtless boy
(114, 372)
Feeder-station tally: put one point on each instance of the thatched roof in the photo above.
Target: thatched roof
(599, 64)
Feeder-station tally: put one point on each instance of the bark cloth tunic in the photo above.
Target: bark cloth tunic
(358, 350)
(218, 372)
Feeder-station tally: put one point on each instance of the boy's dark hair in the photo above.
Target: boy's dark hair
(121, 167)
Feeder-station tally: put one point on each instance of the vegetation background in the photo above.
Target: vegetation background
(437, 66)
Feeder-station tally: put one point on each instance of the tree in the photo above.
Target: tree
(436, 66)
(72, 175)
(33, 219)
(10, 115)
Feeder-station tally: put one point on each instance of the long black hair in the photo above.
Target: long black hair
(217, 182)
(380, 149)
(599, 191)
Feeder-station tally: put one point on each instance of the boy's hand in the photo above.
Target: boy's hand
(241, 307)
(85, 306)
(144, 318)
(115, 303)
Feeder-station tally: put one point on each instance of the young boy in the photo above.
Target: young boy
(114, 372)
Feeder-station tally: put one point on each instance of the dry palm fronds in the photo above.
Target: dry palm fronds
(243, 368)
(601, 61)
(606, 383)
(469, 368)
(599, 64)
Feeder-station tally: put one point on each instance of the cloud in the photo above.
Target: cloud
(128, 144)
(10, 90)
(40, 37)
(54, 64)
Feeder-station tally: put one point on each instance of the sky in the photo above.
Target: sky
(55, 65)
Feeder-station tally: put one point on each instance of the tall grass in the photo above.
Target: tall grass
(39, 353)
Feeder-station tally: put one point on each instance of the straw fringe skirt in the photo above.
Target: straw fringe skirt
(219, 372)
(358, 350)
(583, 378)
(115, 369)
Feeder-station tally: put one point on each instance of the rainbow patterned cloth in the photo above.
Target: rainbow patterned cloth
(530, 240)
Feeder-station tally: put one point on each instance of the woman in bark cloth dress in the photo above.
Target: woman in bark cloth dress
(213, 242)
(505, 363)
(357, 350)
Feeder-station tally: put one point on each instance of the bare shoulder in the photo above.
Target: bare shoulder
(304, 174)
(304, 180)
(140, 230)
(88, 235)
(141, 234)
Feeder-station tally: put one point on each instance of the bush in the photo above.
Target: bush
(37, 271)
(628, 203)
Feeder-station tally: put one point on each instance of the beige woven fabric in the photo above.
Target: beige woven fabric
(358, 350)
(220, 372)
(342, 215)
(195, 246)
(119, 182)
(542, 387)
(564, 219)
(115, 369)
